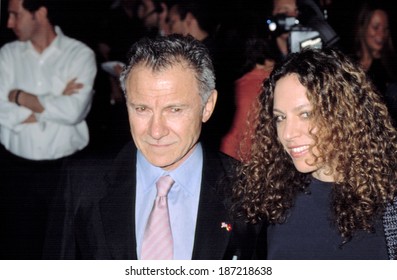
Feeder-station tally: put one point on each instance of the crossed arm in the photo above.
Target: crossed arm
(30, 101)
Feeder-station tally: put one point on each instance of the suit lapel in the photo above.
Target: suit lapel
(118, 211)
(211, 239)
(117, 208)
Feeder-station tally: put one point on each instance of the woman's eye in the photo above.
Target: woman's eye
(306, 115)
(279, 118)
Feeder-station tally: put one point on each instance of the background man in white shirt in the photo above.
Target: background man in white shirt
(46, 88)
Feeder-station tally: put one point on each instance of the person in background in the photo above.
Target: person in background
(236, 24)
(119, 28)
(105, 205)
(288, 8)
(195, 18)
(375, 52)
(322, 169)
(46, 89)
(373, 45)
(259, 62)
(153, 14)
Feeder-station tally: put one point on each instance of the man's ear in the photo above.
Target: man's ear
(163, 10)
(189, 18)
(209, 106)
(41, 13)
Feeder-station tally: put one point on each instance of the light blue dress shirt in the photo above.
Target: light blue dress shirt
(183, 200)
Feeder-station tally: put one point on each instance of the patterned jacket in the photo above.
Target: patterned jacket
(390, 226)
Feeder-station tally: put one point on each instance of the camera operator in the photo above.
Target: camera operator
(296, 24)
(288, 8)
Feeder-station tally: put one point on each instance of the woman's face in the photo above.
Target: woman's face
(377, 32)
(293, 113)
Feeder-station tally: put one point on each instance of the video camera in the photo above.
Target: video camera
(310, 29)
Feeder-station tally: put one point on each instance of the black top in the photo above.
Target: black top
(379, 75)
(308, 232)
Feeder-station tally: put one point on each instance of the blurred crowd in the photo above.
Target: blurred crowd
(238, 36)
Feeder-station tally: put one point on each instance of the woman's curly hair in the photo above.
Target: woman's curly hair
(354, 136)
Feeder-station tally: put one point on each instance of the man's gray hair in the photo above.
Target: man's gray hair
(164, 52)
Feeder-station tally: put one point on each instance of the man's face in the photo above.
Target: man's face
(166, 113)
(23, 23)
(146, 13)
(287, 7)
(176, 25)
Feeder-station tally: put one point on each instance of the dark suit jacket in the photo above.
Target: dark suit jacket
(94, 215)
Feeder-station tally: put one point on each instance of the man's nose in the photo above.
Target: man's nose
(10, 22)
(158, 127)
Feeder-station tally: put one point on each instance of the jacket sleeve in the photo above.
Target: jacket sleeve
(390, 227)
(60, 243)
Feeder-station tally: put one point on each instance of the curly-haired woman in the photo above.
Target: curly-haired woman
(323, 163)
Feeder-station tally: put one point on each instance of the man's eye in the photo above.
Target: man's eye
(176, 110)
(140, 109)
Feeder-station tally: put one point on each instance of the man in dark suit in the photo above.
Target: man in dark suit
(106, 202)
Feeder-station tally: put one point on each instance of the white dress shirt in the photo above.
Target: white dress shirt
(60, 129)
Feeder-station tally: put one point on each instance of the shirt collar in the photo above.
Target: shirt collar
(55, 44)
(58, 39)
(184, 175)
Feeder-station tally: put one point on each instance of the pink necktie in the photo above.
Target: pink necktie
(157, 240)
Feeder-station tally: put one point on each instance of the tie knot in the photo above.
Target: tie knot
(163, 185)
